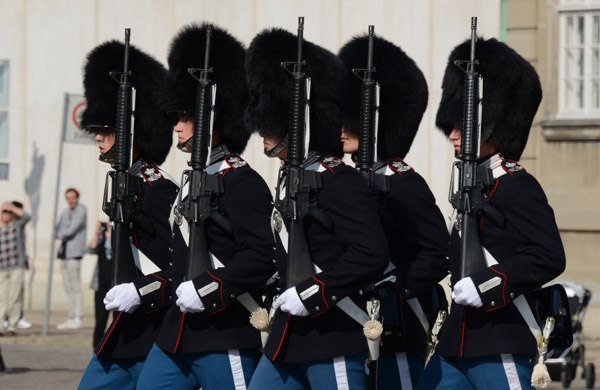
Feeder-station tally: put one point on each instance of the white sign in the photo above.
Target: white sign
(72, 133)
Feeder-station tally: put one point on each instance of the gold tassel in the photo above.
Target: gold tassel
(260, 319)
(372, 329)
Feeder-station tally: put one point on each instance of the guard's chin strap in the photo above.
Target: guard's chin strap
(187, 144)
(278, 148)
(108, 157)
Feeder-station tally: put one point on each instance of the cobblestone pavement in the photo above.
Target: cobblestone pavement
(57, 361)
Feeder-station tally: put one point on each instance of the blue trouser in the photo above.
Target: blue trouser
(215, 370)
(346, 372)
(400, 371)
(495, 372)
(107, 373)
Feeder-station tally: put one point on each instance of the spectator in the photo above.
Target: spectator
(100, 245)
(71, 230)
(12, 264)
(23, 323)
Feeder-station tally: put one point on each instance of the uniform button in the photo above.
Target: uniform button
(170, 264)
(406, 292)
(170, 205)
(214, 305)
(130, 225)
(170, 249)
(512, 295)
(493, 303)
(334, 298)
(177, 190)
(170, 279)
(317, 308)
(170, 297)
(152, 305)
(232, 296)
(172, 235)
(131, 239)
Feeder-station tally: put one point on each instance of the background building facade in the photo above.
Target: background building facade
(43, 44)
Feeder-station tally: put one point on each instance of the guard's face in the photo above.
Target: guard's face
(105, 138)
(455, 137)
(71, 198)
(184, 129)
(349, 141)
(489, 147)
(270, 141)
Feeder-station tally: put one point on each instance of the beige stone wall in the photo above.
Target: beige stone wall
(565, 158)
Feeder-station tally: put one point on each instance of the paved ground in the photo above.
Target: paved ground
(57, 361)
(51, 362)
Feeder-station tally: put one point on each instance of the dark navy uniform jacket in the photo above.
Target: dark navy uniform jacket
(529, 252)
(418, 242)
(351, 256)
(248, 256)
(132, 335)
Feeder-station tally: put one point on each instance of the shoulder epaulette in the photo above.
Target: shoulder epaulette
(235, 161)
(511, 166)
(398, 165)
(151, 173)
(330, 162)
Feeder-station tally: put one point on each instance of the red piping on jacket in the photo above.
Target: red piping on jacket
(109, 333)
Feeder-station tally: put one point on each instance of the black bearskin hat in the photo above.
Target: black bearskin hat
(269, 86)
(226, 58)
(511, 95)
(153, 136)
(403, 94)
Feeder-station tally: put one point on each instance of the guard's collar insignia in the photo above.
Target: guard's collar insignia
(236, 161)
(151, 174)
(512, 166)
(331, 161)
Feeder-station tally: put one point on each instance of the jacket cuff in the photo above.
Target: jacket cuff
(312, 294)
(153, 292)
(210, 291)
(491, 286)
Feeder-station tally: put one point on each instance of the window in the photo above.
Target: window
(579, 87)
(4, 103)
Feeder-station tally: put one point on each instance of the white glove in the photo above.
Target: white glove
(465, 293)
(122, 297)
(188, 299)
(290, 302)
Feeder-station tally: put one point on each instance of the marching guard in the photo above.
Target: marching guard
(486, 342)
(325, 220)
(139, 305)
(414, 226)
(207, 339)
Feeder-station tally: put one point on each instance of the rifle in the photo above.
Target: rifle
(469, 200)
(199, 207)
(369, 114)
(124, 191)
(367, 155)
(299, 183)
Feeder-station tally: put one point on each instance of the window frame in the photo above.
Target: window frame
(588, 9)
